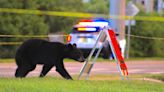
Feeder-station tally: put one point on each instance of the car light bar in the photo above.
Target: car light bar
(93, 24)
(87, 29)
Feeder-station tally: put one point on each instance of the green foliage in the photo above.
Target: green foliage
(97, 6)
(15, 24)
(147, 47)
(157, 76)
(22, 24)
(57, 23)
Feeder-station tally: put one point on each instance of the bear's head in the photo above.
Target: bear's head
(74, 53)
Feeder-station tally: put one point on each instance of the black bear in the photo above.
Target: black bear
(37, 51)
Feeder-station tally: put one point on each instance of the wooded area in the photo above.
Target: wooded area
(25, 24)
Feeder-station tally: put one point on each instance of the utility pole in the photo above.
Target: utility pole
(159, 8)
(117, 12)
(149, 5)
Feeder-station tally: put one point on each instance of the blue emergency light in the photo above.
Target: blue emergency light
(91, 25)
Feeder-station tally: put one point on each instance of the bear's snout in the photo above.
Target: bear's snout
(81, 59)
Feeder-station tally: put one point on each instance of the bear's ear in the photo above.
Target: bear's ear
(70, 46)
(74, 45)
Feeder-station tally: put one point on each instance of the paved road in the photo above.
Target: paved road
(134, 67)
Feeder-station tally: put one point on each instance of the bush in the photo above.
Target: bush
(147, 47)
(24, 24)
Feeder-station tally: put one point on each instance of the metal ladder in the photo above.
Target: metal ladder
(87, 66)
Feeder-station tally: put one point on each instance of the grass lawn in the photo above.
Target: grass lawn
(157, 76)
(99, 83)
(51, 84)
(65, 60)
(7, 60)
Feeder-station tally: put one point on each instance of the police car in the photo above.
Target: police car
(85, 33)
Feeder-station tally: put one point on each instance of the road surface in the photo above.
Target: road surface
(104, 68)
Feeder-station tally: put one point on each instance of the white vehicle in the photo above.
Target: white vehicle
(85, 33)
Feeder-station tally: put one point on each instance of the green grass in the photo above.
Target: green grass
(65, 60)
(157, 76)
(51, 84)
(98, 59)
(145, 58)
(7, 60)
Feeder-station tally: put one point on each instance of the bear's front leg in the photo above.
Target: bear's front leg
(60, 68)
(45, 70)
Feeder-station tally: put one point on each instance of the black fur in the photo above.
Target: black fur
(37, 51)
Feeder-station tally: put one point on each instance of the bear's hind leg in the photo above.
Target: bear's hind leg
(45, 70)
(23, 71)
(18, 72)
